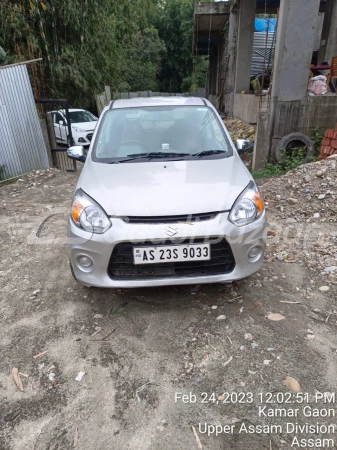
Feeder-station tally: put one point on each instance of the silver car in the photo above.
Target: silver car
(164, 199)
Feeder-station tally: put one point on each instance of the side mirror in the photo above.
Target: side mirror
(61, 122)
(77, 152)
(243, 145)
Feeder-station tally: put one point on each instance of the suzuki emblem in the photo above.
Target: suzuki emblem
(171, 230)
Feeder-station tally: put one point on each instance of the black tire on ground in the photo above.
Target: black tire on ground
(294, 140)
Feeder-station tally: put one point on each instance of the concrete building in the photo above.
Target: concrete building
(303, 27)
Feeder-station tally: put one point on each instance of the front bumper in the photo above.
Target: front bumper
(99, 248)
(83, 139)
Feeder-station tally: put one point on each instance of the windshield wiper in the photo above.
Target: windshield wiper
(159, 155)
(122, 160)
(208, 153)
(151, 155)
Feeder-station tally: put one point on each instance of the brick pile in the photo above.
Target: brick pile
(329, 144)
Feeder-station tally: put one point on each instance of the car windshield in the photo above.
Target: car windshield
(165, 132)
(81, 116)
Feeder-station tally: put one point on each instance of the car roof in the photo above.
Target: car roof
(157, 101)
(72, 110)
(63, 110)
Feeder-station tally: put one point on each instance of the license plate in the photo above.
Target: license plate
(171, 253)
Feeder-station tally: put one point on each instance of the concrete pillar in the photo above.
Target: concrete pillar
(294, 46)
(231, 52)
(331, 42)
(244, 49)
(325, 31)
(293, 53)
(230, 64)
(262, 141)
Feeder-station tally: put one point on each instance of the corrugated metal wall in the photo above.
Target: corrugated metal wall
(22, 148)
(261, 47)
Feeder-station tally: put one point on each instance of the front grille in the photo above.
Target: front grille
(89, 136)
(171, 219)
(121, 266)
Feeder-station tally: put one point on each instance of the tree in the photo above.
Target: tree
(143, 58)
(175, 26)
(86, 44)
(2, 55)
(77, 40)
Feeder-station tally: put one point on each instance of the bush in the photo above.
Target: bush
(289, 162)
(317, 137)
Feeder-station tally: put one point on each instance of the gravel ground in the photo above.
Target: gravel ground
(162, 341)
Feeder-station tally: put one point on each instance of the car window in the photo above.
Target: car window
(58, 118)
(218, 133)
(81, 116)
(184, 130)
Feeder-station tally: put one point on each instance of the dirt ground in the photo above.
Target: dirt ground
(163, 341)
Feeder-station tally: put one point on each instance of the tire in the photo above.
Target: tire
(295, 139)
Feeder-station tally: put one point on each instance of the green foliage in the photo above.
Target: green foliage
(266, 16)
(289, 162)
(86, 44)
(2, 55)
(198, 76)
(174, 22)
(6, 178)
(317, 137)
(143, 60)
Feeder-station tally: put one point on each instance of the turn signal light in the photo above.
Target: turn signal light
(257, 199)
(76, 210)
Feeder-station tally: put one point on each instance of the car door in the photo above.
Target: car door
(60, 128)
(57, 126)
(64, 129)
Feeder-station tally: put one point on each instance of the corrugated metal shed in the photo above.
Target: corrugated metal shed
(22, 148)
(261, 47)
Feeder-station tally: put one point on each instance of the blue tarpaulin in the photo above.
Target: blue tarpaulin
(265, 24)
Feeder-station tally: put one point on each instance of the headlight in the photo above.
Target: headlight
(88, 215)
(248, 206)
(78, 130)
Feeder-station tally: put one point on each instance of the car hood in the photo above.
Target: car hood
(86, 126)
(165, 188)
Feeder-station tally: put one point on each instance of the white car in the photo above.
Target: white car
(82, 122)
(164, 199)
